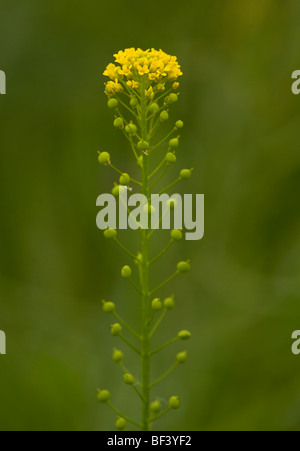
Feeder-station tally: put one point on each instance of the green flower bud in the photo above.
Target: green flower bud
(118, 122)
(117, 356)
(171, 158)
(183, 267)
(155, 407)
(121, 424)
(134, 102)
(174, 402)
(139, 259)
(131, 129)
(179, 124)
(124, 179)
(185, 174)
(140, 162)
(176, 235)
(154, 108)
(116, 190)
(115, 329)
(128, 379)
(157, 304)
(164, 116)
(112, 103)
(126, 272)
(161, 87)
(169, 303)
(173, 143)
(143, 145)
(104, 158)
(172, 98)
(110, 233)
(103, 395)
(184, 335)
(181, 357)
(108, 307)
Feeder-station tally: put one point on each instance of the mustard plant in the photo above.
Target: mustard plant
(143, 87)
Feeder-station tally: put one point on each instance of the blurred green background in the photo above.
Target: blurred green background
(241, 134)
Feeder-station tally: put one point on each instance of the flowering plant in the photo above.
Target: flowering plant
(142, 88)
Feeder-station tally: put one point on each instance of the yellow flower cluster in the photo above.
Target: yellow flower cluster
(132, 66)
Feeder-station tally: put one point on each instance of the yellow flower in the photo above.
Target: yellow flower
(133, 84)
(149, 93)
(175, 85)
(150, 67)
(113, 87)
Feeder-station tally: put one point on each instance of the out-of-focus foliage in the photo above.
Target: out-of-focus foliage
(242, 137)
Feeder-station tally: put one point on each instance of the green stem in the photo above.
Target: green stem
(170, 342)
(170, 186)
(129, 328)
(134, 348)
(124, 248)
(164, 283)
(145, 341)
(155, 327)
(164, 139)
(163, 376)
(161, 252)
(117, 411)
(160, 415)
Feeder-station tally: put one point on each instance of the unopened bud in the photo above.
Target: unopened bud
(183, 267)
(103, 395)
(174, 402)
(110, 233)
(104, 158)
(116, 329)
(126, 272)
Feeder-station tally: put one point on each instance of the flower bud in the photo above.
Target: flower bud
(108, 307)
(179, 124)
(117, 356)
(174, 402)
(121, 424)
(176, 235)
(161, 87)
(154, 108)
(116, 190)
(139, 258)
(184, 335)
(115, 329)
(143, 145)
(181, 357)
(183, 267)
(164, 116)
(173, 143)
(185, 174)
(175, 85)
(124, 179)
(169, 303)
(128, 379)
(134, 102)
(131, 129)
(172, 98)
(110, 233)
(104, 158)
(171, 158)
(126, 272)
(118, 122)
(112, 103)
(157, 304)
(140, 162)
(103, 395)
(155, 407)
